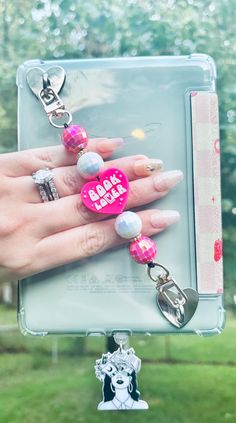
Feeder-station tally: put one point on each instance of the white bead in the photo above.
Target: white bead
(128, 225)
(90, 165)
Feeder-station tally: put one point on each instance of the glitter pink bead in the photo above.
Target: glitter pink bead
(143, 250)
(74, 138)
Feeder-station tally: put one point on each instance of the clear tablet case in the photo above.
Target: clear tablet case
(164, 107)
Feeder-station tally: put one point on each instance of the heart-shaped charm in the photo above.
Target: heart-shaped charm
(54, 76)
(178, 306)
(109, 194)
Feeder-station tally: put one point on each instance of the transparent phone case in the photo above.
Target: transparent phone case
(164, 107)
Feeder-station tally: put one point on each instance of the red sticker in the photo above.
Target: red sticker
(218, 250)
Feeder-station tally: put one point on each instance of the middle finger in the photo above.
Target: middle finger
(68, 181)
(70, 212)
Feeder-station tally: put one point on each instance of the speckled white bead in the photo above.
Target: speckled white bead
(128, 225)
(90, 165)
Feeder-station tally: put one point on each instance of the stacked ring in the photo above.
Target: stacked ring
(43, 179)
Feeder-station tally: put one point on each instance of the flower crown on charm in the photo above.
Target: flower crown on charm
(119, 361)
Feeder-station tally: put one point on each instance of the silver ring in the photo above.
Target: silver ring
(59, 114)
(43, 179)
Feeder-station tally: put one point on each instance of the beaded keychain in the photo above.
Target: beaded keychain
(107, 193)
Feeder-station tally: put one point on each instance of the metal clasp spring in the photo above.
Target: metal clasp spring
(51, 101)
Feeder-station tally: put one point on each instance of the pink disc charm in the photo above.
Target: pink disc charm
(143, 250)
(74, 138)
(109, 194)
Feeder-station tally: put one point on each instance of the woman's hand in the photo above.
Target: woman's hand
(36, 236)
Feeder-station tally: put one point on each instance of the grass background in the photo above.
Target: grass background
(184, 379)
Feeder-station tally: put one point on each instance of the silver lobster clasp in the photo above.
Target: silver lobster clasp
(176, 304)
(46, 85)
(50, 101)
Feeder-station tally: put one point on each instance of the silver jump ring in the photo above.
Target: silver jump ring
(43, 179)
(156, 278)
(59, 114)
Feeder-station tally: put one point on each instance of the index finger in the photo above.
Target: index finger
(26, 162)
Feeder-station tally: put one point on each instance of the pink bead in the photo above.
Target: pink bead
(143, 250)
(74, 138)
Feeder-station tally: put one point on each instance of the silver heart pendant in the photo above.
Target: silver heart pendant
(38, 79)
(177, 305)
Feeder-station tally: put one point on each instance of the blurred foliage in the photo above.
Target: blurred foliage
(104, 28)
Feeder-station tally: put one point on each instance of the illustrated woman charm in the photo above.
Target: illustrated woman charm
(118, 372)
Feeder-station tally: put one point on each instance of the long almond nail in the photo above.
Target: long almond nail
(164, 218)
(167, 180)
(110, 144)
(144, 167)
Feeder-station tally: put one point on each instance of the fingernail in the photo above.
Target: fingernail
(110, 144)
(164, 218)
(143, 167)
(166, 180)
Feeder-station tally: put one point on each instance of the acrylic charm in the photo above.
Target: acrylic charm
(117, 371)
(107, 195)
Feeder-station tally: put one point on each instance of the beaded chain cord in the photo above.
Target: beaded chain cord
(107, 192)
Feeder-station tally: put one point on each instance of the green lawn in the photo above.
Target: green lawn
(69, 393)
(196, 383)
(7, 315)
